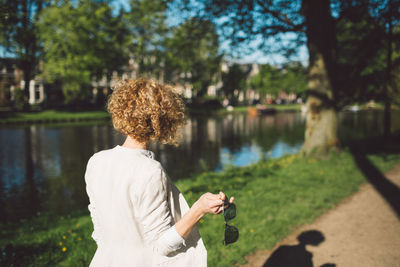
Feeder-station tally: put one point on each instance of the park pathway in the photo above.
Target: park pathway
(362, 231)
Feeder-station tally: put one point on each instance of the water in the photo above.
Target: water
(42, 166)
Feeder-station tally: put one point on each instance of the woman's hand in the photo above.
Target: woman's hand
(211, 203)
(223, 197)
(207, 203)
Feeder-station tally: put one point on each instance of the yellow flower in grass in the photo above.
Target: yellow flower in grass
(64, 237)
(79, 239)
(251, 230)
(64, 249)
(201, 221)
(77, 225)
(60, 244)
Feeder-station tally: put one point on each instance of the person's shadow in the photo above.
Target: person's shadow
(297, 255)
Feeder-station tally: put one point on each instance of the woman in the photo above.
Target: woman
(139, 217)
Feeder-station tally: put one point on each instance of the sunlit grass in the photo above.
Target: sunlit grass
(273, 198)
(53, 116)
(282, 107)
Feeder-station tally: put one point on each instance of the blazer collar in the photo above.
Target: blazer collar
(144, 152)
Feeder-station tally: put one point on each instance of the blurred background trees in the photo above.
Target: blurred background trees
(146, 21)
(192, 55)
(331, 30)
(76, 48)
(235, 79)
(83, 41)
(289, 78)
(18, 35)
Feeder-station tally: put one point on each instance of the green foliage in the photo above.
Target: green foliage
(267, 80)
(363, 57)
(48, 241)
(265, 22)
(193, 54)
(294, 78)
(146, 22)
(234, 79)
(19, 99)
(82, 42)
(54, 116)
(291, 78)
(272, 198)
(359, 44)
(18, 34)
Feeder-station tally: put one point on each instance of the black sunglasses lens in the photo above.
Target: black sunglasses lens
(231, 234)
(230, 212)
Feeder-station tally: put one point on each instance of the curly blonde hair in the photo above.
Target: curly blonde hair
(146, 110)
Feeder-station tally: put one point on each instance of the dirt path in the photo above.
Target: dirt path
(361, 231)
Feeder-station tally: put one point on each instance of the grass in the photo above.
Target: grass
(286, 107)
(54, 116)
(49, 116)
(273, 198)
(282, 107)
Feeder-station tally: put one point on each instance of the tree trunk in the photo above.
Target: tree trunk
(386, 113)
(27, 78)
(321, 119)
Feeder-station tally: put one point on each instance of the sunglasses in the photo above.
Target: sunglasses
(231, 232)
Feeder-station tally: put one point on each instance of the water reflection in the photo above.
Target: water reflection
(42, 167)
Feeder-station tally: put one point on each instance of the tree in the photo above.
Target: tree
(391, 15)
(193, 54)
(18, 34)
(294, 78)
(290, 78)
(146, 21)
(234, 79)
(312, 19)
(370, 72)
(268, 80)
(82, 41)
(314, 23)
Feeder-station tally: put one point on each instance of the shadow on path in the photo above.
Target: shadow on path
(387, 189)
(297, 255)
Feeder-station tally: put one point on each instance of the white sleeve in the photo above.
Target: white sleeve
(91, 206)
(155, 216)
(96, 226)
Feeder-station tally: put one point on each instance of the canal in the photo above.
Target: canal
(42, 166)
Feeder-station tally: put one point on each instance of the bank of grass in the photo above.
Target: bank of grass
(55, 116)
(281, 107)
(273, 198)
(50, 116)
(286, 107)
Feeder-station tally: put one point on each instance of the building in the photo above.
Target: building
(12, 79)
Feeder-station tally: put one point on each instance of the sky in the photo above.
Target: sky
(257, 57)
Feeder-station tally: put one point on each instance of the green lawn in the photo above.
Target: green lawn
(273, 198)
(54, 116)
(49, 116)
(285, 107)
(282, 107)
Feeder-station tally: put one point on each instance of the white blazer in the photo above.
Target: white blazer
(133, 206)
